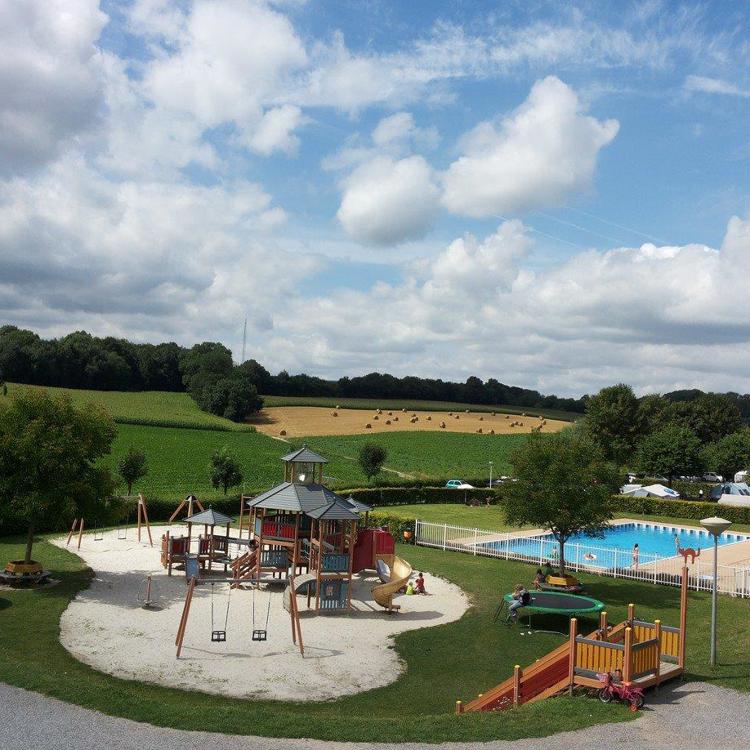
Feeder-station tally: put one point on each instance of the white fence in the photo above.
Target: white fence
(589, 558)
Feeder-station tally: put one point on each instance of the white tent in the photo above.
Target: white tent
(732, 493)
(651, 490)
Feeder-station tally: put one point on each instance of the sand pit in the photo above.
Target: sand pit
(307, 421)
(106, 628)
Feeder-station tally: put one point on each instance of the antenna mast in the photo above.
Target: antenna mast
(244, 340)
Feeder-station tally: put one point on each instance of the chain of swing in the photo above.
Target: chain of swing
(219, 636)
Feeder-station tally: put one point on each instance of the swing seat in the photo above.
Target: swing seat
(218, 636)
(260, 635)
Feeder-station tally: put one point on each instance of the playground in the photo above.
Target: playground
(106, 627)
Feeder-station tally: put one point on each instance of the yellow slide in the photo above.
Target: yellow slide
(400, 572)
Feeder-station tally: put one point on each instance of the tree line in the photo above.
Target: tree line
(667, 435)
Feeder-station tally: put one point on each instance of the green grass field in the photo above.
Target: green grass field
(444, 663)
(427, 455)
(370, 404)
(145, 407)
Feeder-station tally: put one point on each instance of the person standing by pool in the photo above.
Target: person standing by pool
(636, 556)
(677, 544)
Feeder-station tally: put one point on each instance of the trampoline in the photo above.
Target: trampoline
(554, 603)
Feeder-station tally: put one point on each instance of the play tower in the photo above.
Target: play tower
(300, 529)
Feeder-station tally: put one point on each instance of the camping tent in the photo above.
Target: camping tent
(731, 493)
(651, 490)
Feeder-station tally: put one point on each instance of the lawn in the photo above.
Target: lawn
(426, 455)
(416, 405)
(452, 661)
(145, 407)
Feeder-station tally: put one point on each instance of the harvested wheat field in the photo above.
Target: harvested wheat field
(307, 421)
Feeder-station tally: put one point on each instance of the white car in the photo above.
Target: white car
(458, 484)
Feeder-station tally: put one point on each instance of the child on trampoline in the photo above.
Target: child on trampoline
(521, 597)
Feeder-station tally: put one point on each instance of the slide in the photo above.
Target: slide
(544, 678)
(400, 572)
(300, 587)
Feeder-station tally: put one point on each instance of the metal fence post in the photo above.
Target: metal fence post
(476, 533)
(445, 535)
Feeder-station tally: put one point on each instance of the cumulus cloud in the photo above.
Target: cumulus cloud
(50, 89)
(387, 201)
(538, 156)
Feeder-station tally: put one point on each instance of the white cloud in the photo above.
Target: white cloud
(400, 128)
(713, 86)
(387, 201)
(275, 131)
(538, 156)
(50, 90)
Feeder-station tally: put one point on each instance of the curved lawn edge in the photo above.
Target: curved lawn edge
(441, 661)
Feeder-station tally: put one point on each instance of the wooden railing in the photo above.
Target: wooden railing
(597, 656)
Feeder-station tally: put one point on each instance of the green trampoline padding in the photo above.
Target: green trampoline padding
(560, 603)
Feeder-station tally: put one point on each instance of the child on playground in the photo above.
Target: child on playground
(419, 585)
(539, 579)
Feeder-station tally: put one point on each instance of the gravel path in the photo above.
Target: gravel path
(689, 715)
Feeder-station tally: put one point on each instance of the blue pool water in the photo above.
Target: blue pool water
(615, 548)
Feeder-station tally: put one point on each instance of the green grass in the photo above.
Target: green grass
(444, 663)
(416, 405)
(145, 407)
(491, 518)
(426, 455)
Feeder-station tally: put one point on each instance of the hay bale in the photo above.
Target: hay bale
(368, 426)
(403, 410)
(413, 420)
(387, 421)
(337, 406)
(376, 417)
(380, 411)
(442, 425)
(282, 433)
(523, 413)
(395, 419)
(467, 411)
(492, 432)
(390, 413)
(429, 418)
(456, 416)
(481, 419)
(479, 430)
(507, 416)
(334, 414)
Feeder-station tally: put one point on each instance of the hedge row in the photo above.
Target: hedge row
(654, 506)
(382, 496)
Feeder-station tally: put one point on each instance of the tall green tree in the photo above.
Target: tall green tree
(132, 467)
(614, 422)
(728, 455)
(48, 459)
(711, 416)
(225, 470)
(564, 484)
(371, 459)
(672, 451)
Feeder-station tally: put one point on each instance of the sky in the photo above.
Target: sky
(556, 195)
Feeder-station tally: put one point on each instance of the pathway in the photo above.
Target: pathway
(690, 715)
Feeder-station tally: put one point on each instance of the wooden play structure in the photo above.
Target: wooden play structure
(141, 521)
(212, 548)
(645, 653)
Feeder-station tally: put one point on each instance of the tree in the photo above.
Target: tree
(672, 451)
(233, 398)
(564, 484)
(48, 455)
(711, 416)
(728, 455)
(371, 459)
(132, 466)
(614, 422)
(225, 470)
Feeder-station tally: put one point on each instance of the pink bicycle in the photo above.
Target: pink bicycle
(625, 692)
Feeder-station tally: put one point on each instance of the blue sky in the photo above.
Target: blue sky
(552, 194)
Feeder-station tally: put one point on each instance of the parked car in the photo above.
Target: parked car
(711, 477)
(458, 484)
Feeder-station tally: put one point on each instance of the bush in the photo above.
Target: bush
(654, 506)
(383, 496)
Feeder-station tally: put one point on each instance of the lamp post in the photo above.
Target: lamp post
(490, 474)
(715, 526)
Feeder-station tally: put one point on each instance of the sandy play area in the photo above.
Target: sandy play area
(306, 421)
(106, 628)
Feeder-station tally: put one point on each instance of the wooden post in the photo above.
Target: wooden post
(516, 684)
(572, 650)
(143, 511)
(603, 625)
(631, 612)
(183, 620)
(627, 671)
(242, 511)
(683, 617)
(459, 708)
(657, 635)
(72, 531)
(295, 549)
(259, 556)
(352, 539)
(80, 533)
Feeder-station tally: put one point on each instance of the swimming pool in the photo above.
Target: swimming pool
(615, 548)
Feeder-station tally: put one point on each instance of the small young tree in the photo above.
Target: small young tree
(670, 452)
(563, 484)
(225, 470)
(132, 466)
(48, 455)
(371, 459)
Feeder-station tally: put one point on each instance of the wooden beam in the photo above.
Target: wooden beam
(631, 612)
(603, 624)
(657, 635)
(177, 512)
(572, 650)
(627, 662)
(516, 684)
(80, 533)
(72, 531)
(183, 620)
(142, 509)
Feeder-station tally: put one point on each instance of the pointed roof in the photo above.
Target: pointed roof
(209, 517)
(304, 455)
(295, 498)
(358, 505)
(337, 510)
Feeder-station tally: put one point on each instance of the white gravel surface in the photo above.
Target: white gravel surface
(106, 628)
(680, 717)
